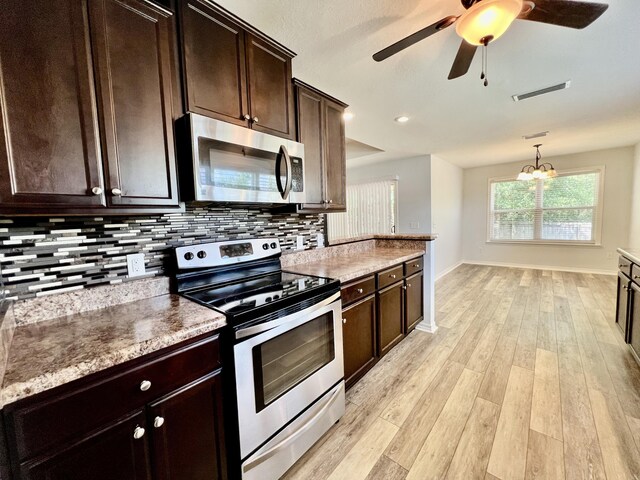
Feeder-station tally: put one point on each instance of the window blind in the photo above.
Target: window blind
(371, 208)
(561, 209)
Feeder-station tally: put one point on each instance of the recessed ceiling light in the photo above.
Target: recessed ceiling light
(402, 119)
(347, 116)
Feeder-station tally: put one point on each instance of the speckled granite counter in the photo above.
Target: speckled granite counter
(632, 254)
(47, 354)
(428, 237)
(352, 265)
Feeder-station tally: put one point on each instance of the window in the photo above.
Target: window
(371, 208)
(565, 209)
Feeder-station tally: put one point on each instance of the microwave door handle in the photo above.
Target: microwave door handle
(281, 188)
(289, 184)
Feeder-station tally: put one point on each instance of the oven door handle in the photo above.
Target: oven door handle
(288, 440)
(249, 331)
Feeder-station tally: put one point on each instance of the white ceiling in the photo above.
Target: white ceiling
(460, 120)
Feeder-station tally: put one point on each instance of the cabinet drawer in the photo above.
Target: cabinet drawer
(392, 275)
(71, 411)
(413, 266)
(357, 290)
(625, 266)
(635, 274)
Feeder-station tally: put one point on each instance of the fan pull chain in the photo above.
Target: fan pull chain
(485, 62)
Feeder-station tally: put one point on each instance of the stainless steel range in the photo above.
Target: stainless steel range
(287, 347)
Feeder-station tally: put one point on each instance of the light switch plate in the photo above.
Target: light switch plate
(135, 264)
(414, 225)
(320, 240)
(299, 242)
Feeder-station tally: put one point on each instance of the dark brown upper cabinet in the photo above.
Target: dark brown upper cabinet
(87, 113)
(49, 140)
(320, 126)
(132, 42)
(234, 73)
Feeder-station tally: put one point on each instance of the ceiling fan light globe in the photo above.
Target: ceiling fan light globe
(552, 173)
(525, 177)
(489, 18)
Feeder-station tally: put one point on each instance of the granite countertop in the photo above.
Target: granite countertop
(50, 353)
(632, 254)
(427, 237)
(348, 267)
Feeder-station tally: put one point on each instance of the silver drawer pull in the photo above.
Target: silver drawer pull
(362, 291)
(344, 320)
(145, 385)
(158, 422)
(138, 433)
(392, 276)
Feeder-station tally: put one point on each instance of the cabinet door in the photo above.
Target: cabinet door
(49, 141)
(634, 318)
(270, 89)
(214, 64)
(622, 309)
(335, 157)
(359, 338)
(111, 453)
(414, 306)
(311, 133)
(134, 57)
(188, 435)
(390, 317)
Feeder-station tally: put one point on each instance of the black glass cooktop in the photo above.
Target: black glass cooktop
(261, 295)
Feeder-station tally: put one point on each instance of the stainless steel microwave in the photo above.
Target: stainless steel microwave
(233, 164)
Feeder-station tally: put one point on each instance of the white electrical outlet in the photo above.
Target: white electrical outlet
(320, 240)
(135, 264)
(414, 225)
(299, 242)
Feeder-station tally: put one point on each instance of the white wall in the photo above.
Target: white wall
(414, 189)
(447, 182)
(616, 215)
(634, 234)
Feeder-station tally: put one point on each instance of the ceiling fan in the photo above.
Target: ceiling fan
(486, 20)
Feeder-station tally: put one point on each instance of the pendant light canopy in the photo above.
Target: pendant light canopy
(487, 20)
(539, 171)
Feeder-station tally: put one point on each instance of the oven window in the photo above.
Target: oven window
(287, 360)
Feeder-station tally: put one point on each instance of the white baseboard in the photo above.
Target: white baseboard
(449, 270)
(427, 327)
(542, 267)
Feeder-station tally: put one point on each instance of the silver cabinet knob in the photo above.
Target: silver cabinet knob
(96, 191)
(145, 385)
(116, 191)
(360, 290)
(409, 285)
(256, 119)
(625, 287)
(404, 287)
(636, 277)
(392, 276)
(344, 320)
(417, 265)
(246, 116)
(621, 266)
(138, 433)
(158, 422)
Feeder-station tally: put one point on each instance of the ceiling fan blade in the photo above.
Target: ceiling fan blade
(463, 60)
(566, 13)
(414, 38)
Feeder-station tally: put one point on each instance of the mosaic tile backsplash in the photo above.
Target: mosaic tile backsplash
(42, 256)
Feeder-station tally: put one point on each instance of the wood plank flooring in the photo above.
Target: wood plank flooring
(527, 378)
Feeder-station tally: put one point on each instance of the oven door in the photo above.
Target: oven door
(285, 367)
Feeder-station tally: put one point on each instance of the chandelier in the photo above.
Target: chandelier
(539, 171)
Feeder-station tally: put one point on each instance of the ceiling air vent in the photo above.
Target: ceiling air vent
(535, 135)
(542, 91)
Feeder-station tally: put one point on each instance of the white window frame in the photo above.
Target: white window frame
(597, 221)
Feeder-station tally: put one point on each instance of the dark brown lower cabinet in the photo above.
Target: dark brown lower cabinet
(414, 306)
(107, 454)
(634, 319)
(359, 338)
(624, 284)
(390, 317)
(187, 436)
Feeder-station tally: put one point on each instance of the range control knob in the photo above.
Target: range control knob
(202, 254)
(265, 246)
(188, 256)
(273, 245)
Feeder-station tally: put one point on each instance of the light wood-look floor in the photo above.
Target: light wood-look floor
(527, 377)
